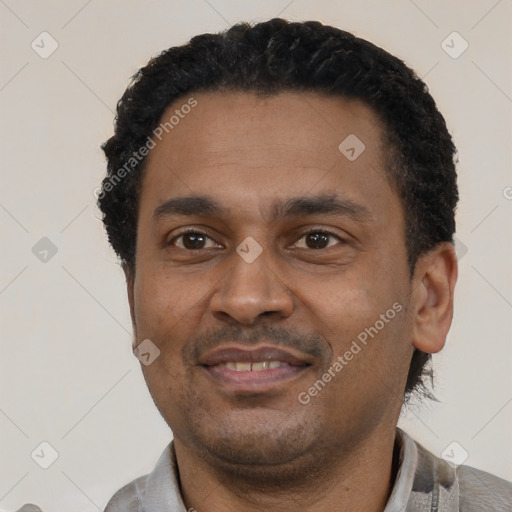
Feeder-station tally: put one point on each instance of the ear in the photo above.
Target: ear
(130, 278)
(434, 281)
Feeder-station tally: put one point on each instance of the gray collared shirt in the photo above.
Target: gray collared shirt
(424, 483)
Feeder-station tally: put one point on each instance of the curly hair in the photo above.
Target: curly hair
(277, 56)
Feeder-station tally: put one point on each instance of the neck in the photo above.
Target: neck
(333, 479)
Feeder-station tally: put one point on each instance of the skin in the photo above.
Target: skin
(266, 450)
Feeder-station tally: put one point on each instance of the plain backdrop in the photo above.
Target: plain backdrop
(68, 376)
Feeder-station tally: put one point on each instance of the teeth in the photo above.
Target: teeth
(254, 367)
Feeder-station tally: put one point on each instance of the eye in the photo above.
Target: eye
(192, 240)
(318, 239)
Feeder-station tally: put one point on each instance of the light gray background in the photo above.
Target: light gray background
(67, 372)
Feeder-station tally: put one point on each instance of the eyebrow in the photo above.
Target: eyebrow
(281, 209)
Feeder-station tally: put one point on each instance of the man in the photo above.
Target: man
(282, 200)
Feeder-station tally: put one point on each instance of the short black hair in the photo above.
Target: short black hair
(278, 56)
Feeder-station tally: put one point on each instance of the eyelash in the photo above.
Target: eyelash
(197, 232)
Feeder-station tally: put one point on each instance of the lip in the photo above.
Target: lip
(254, 381)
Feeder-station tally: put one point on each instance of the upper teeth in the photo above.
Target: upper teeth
(253, 367)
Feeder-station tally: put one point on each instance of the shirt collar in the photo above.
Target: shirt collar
(423, 481)
(407, 463)
(162, 492)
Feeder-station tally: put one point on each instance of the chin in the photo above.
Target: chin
(261, 457)
(257, 438)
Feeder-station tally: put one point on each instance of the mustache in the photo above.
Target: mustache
(313, 345)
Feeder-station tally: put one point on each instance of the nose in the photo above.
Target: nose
(251, 290)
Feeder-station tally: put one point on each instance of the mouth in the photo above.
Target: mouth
(254, 370)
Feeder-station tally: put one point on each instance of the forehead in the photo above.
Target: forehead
(240, 146)
(307, 124)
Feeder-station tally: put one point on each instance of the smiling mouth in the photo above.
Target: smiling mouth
(242, 370)
(251, 378)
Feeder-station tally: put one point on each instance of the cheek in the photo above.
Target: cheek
(162, 302)
(162, 310)
(363, 315)
(168, 311)
(350, 302)
(378, 348)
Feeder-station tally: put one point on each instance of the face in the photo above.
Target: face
(272, 275)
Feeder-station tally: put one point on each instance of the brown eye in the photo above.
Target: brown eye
(191, 240)
(318, 240)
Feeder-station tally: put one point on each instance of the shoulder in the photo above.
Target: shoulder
(128, 498)
(483, 491)
(439, 485)
(157, 491)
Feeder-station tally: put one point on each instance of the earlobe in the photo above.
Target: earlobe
(432, 297)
